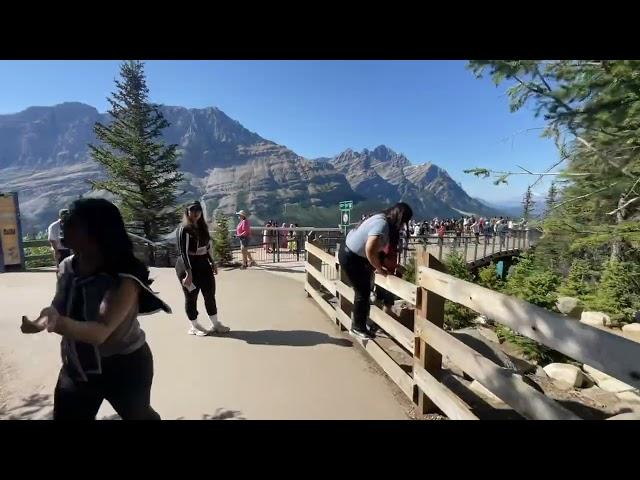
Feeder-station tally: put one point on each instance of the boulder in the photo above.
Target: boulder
(606, 382)
(568, 374)
(632, 331)
(481, 320)
(569, 306)
(595, 319)
(489, 334)
(540, 372)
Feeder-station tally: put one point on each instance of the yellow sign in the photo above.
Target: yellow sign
(9, 230)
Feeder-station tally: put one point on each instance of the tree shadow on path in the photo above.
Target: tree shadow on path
(39, 406)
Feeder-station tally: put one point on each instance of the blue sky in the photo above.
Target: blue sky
(429, 110)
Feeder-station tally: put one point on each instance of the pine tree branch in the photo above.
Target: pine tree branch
(613, 212)
(584, 196)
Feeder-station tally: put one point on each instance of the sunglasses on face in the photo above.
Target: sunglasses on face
(195, 209)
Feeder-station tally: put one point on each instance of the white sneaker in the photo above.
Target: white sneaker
(196, 332)
(219, 328)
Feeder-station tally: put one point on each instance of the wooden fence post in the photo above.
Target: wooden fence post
(466, 246)
(343, 303)
(317, 264)
(429, 308)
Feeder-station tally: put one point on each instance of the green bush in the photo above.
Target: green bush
(535, 284)
(457, 316)
(410, 271)
(578, 282)
(530, 349)
(488, 278)
(221, 241)
(617, 292)
(33, 251)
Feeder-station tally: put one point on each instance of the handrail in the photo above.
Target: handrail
(610, 353)
(428, 342)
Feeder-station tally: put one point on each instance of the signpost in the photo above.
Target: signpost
(345, 214)
(10, 232)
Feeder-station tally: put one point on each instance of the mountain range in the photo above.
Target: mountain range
(44, 156)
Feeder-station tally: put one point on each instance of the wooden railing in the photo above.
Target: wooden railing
(427, 342)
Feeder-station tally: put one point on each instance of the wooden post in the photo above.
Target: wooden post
(484, 250)
(493, 243)
(316, 263)
(466, 245)
(429, 308)
(343, 303)
(270, 241)
(475, 252)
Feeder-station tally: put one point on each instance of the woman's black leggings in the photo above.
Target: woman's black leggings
(359, 273)
(125, 382)
(203, 280)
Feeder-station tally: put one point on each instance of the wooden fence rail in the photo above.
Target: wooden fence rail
(428, 342)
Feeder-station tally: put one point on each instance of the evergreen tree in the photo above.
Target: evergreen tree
(552, 197)
(617, 291)
(222, 241)
(578, 283)
(596, 104)
(455, 315)
(142, 171)
(488, 278)
(527, 205)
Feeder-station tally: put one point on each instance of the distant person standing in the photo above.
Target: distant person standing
(266, 237)
(56, 238)
(243, 232)
(441, 231)
(291, 237)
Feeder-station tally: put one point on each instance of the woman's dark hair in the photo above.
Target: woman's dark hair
(200, 229)
(104, 224)
(397, 217)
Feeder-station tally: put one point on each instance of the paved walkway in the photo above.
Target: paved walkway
(283, 359)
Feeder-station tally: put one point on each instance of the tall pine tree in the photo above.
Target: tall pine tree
(142, 170)
(552, 198)
(222, 241)
(527, 205)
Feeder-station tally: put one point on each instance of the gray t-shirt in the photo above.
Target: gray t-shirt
(374, 226)
(89, 292)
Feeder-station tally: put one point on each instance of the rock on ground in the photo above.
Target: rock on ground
(607, 382)
(632, 331)
(569, 306)
(567, 374)
(595, 319)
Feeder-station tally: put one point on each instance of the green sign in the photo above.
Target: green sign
(346, 206)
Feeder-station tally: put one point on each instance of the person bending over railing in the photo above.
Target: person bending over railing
(360, 258)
